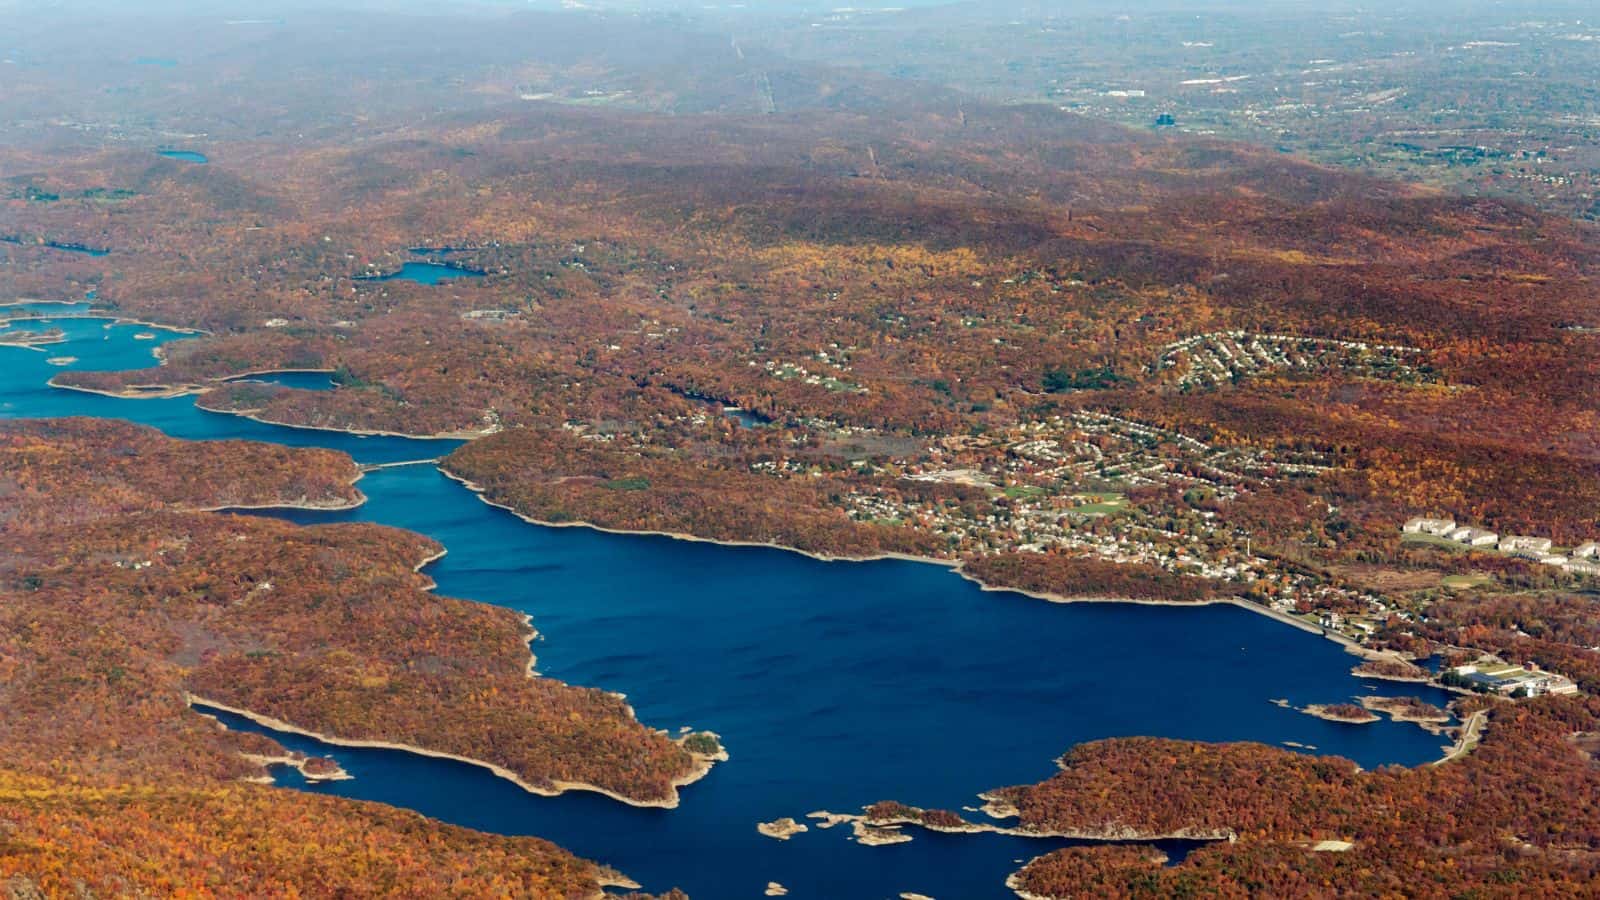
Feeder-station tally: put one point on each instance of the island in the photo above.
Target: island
(781, 829)
(32, 338)
(1349, 713)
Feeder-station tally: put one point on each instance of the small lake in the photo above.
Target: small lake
(744, 418)
(77, 248)
(189, 156)
(67, 246)
(833, 685)
(423, 273)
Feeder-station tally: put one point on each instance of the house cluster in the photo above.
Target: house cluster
(1058, 483)
(1583, 559)
(835, 382)
(1509, 680)
(1204, 360)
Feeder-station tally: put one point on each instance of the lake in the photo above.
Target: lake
(423, 273)
(189, 156)
(833, 685)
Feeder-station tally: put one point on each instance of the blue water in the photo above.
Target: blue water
(99, 344)
(833, 685)
(44, 308)
(300, 381)
(185, 156)
(424, 273)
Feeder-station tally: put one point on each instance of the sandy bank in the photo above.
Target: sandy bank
(1107, 833)
(301, 763)
(1328, 712)
(781, 829)
(255, 416)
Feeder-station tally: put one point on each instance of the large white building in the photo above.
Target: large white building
(1438, 527)
(1583, 566)
(1475, 537)
(1517, 543)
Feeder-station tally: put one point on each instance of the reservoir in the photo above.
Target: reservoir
(832, 685)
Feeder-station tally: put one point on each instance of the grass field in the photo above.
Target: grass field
(1100, 504)
(1431, 540)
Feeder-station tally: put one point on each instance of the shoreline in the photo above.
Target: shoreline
(253, 415)
(342, 506)
(104, 314)
(1321, 711)
(1104, 835)
(1467, 740)
(289, 371)
(479, 491)
(955, 565)
(169, 392)
(557, 788)
(428, 583)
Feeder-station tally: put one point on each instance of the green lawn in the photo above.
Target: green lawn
(1101, 504)
(1432, 540)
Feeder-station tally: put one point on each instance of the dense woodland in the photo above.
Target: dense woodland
(1513, 818)
(1476, 826)
(330, 628)
(66, 471)
(202, 840)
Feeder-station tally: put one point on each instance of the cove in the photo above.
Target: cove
(423, 273)
(833, 685)
(299, 379)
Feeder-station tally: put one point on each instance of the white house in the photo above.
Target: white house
(1514, 543)
(1586, 550)
(1440, 527)
(1475, 537)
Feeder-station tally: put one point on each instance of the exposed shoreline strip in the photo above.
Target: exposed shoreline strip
(558, 787)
